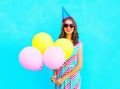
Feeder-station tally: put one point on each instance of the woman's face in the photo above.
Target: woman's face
(68, 26)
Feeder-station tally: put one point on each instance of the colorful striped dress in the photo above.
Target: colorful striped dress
(72, 82)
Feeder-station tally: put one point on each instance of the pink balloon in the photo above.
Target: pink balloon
(54, 57)
(31, 58)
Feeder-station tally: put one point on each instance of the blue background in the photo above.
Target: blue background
(99, 29)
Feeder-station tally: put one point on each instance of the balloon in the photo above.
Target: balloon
(42, 41)
(53, 57)
(66, 45)
(31, 58)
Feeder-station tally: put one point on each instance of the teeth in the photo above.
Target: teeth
(68, 30)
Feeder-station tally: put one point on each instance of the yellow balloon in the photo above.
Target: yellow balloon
(66, 45)
(42, 41)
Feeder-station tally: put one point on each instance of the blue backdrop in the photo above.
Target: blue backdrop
(99, 29)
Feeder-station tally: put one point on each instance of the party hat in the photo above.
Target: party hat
(65, 14)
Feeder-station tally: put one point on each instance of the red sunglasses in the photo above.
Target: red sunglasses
(70, 25)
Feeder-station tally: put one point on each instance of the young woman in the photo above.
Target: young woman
(68, 75)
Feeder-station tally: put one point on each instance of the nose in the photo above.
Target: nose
(69, 26)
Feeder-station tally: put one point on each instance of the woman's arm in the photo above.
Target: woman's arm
(75, 70)
(53, 78)
(55, 72)
(79, 65)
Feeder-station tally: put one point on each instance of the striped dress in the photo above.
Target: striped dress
(72, 82)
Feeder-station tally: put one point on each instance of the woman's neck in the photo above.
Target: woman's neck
(69, 36)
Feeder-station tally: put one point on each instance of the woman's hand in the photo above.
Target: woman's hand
(59, 81)
(54, 78)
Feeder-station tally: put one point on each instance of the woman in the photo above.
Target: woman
(68, 76)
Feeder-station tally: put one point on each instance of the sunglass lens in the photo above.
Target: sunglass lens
(65, 25)
(71, 25)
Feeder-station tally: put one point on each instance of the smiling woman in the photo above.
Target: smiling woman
(68, 76)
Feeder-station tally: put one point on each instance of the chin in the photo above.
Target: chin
(68, 32)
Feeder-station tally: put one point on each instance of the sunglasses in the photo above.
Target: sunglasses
(70, 25)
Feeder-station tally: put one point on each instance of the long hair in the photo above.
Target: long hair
(74, 34)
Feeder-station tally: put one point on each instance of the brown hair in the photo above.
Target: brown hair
(74, 34)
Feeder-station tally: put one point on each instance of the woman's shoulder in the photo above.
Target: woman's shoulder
(78, 43)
